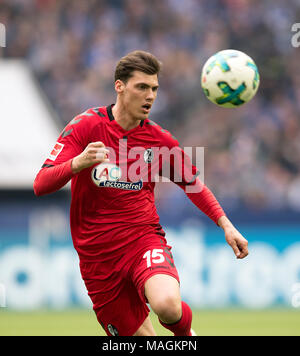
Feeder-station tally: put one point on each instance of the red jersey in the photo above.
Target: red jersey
(113, 203)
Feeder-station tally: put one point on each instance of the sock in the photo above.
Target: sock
(183, 326)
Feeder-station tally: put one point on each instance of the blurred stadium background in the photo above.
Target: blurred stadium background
(59, 60)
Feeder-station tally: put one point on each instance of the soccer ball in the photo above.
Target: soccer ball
(230, 78)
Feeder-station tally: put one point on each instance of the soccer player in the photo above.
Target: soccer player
(111, 154)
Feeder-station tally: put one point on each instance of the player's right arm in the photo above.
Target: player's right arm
(95, 152)
(72, 153)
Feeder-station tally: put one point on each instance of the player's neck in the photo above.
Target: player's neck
(126, 121)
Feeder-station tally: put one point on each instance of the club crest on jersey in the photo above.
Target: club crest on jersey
(107, 175)
(113, 330)
(148, 155)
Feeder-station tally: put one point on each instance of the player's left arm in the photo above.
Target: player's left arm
(234, 238)
(204, 199)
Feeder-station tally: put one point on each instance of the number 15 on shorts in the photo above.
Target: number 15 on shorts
(154, 256)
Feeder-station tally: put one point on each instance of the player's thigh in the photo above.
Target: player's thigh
(163, 293)
(162, 284)
(155, 271)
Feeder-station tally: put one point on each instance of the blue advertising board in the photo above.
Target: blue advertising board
(39, 267)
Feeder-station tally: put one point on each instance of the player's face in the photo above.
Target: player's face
(139, 94)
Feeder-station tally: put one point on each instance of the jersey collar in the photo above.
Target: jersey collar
(112, 118)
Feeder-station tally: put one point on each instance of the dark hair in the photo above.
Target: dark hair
(138, 60)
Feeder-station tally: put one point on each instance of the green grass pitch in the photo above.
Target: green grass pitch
(230, 322)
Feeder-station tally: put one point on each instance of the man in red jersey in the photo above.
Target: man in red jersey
(111, 155)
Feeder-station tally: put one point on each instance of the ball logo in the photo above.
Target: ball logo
(106, 172)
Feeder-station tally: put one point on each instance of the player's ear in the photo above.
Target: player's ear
(119, 86)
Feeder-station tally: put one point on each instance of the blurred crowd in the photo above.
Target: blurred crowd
(252, 154)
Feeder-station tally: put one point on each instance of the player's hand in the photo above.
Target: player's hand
(95, 152)
(234, 239)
